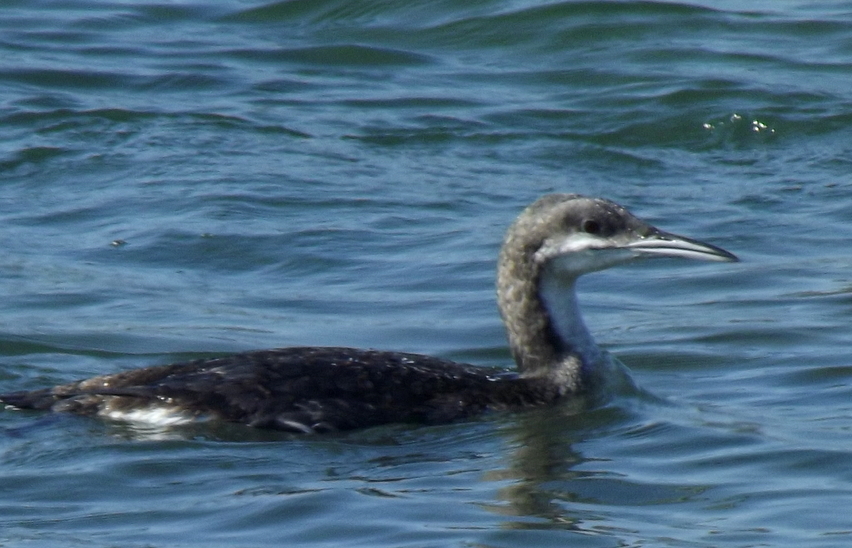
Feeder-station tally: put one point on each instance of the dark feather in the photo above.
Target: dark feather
(304, 389)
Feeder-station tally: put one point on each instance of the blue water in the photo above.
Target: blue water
(189, 178)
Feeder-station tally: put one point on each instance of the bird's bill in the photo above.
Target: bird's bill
(665, 244)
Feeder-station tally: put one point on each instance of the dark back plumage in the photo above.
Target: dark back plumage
(299, 389)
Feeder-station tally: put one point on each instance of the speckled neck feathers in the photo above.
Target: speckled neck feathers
(537, 347)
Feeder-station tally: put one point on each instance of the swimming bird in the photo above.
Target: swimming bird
(320, 389)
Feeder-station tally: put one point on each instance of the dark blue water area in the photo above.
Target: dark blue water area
(187, 178)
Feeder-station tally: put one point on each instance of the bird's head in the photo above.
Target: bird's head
(572, 235)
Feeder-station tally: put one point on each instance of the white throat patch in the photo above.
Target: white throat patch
(560, 300)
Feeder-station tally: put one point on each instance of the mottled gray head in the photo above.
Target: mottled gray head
(575, 235)
(557, 239)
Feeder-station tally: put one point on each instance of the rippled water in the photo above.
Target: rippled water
(187, 178)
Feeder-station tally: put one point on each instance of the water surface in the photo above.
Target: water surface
(184, 179)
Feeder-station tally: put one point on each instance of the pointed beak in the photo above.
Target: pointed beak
(665, 244)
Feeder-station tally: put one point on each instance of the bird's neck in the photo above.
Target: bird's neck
(546, 332)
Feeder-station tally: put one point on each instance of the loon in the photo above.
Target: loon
(323, 389)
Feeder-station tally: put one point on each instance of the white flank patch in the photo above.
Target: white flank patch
(155, 415)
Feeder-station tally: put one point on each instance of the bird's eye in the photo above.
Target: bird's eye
(591, 226)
